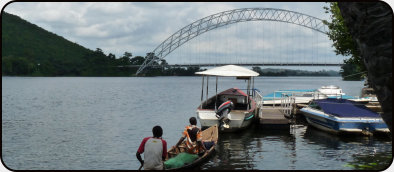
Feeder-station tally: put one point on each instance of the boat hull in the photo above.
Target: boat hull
(338, 125)
(209, 134)
(241, 116)
(239, 119)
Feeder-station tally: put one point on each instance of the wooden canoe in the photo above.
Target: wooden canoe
(209, 134)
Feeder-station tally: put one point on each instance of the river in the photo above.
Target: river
(97, 123)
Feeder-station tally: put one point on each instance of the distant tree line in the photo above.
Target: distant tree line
(290, 72)
(94, 63)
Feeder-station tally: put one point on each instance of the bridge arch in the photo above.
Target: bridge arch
(225, 18)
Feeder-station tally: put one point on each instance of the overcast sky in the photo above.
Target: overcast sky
(138, 27)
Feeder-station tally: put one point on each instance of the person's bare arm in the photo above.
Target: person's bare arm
(138, 155)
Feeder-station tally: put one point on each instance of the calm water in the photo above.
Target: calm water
(88, 123)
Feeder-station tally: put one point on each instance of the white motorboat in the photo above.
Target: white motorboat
(244, 103)
(305, 95)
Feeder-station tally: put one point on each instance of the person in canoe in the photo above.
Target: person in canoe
(193, 136)
(154, 149)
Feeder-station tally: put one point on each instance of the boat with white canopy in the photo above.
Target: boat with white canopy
(241, 106)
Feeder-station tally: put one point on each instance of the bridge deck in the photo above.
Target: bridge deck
(246, 64)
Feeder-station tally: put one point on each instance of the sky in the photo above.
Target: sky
(139, 27)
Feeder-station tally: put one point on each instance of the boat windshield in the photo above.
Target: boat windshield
(314, 105)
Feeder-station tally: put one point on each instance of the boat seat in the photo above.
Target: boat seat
(241, 106)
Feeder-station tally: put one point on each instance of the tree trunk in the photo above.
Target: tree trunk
(370, 24)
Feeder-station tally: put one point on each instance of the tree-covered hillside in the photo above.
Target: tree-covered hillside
(28, 50)
(33, 47)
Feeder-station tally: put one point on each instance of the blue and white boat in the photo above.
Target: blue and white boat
(343, 116)
(306, 95)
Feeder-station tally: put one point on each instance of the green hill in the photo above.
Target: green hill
(29, 50)
(30, 44)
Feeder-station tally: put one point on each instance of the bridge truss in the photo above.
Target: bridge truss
(226, 18)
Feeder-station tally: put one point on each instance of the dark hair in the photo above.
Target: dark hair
(193, 121)
(157, 131)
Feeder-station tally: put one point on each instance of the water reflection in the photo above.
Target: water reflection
(234, 151)
(246, 149)
(299, 147)
(378, 161)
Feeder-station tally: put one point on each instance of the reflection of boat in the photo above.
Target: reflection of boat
(208, 135)
(343, 116)
(244, 104)
(305, 95)
(315, 136)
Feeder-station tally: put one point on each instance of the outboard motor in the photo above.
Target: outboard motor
(222, 113)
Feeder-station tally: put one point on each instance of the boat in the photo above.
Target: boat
(342, 116)
(300, 96)
(304, 96)
(241, 116)
(368, 93)
(208, 135)
(245, 106)
(369, 98)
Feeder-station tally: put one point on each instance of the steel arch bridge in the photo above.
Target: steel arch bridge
(225, 18)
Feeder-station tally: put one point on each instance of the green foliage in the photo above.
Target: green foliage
(23, 39)
(343, 42)
(179, 71)
(17, 66)
(350, 72)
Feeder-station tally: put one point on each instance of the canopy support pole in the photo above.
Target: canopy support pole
(248, 88)
(216, 93)
(206, 100)
(202, 91)
(252, 86)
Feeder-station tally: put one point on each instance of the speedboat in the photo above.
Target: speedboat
(343, 116)
(244, 104)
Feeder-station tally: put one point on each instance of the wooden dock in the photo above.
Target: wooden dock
(273, 117)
